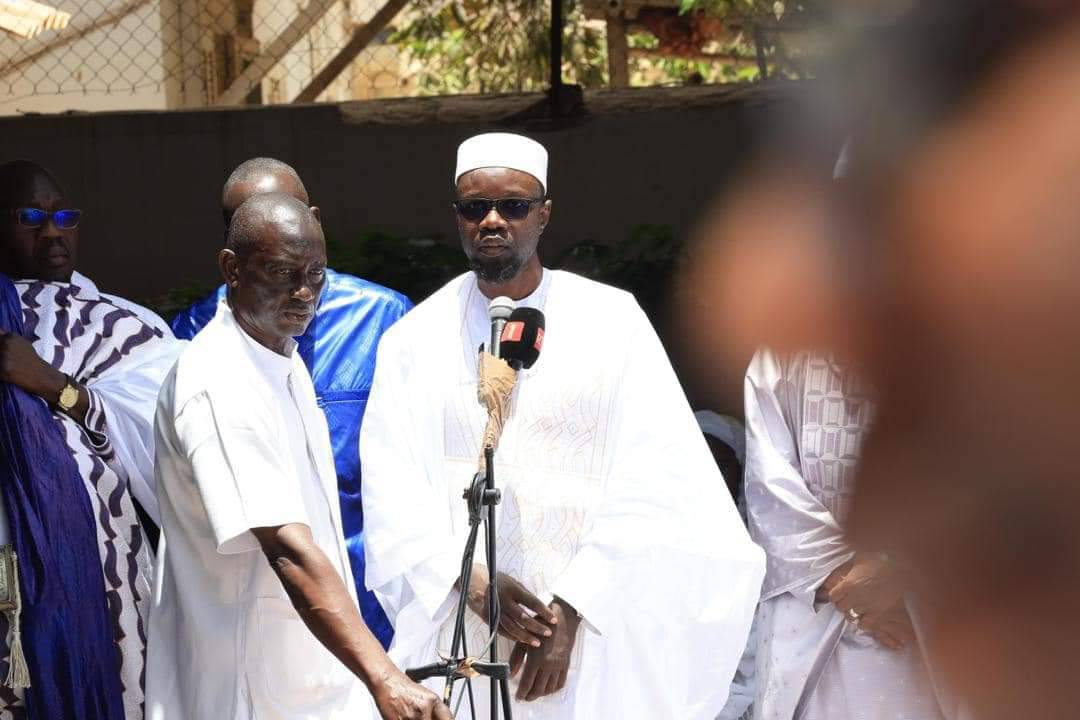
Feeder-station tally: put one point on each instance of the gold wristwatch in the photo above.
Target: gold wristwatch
(69, 396)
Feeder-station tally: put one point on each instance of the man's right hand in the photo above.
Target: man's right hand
(319, 595)
(399, 698)
(515, 602)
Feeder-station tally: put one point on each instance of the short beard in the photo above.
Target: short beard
(497, 271)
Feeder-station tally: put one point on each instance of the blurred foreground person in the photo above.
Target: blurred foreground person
(976, 241)
(92, 364)
(627, 581)
(255, 612)
(835, 641)
(338, 348)
(961, 258)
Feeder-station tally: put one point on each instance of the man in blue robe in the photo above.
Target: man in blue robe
(339, 351)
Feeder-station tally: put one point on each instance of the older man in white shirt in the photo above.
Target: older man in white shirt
(244, 464)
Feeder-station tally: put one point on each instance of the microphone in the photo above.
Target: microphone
(522, 338)
(499, 310)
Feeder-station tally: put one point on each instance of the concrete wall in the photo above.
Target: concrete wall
(150, 182)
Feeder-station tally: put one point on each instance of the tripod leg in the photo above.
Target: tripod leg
(493, 603)
(468, 681)
(459, 622)
(504, 690)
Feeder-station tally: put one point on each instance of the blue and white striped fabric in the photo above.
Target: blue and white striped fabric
(121, 360)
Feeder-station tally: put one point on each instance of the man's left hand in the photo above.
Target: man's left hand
(21, 366)
(892, 629)
(546, 667)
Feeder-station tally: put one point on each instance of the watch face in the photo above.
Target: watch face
(68, 397)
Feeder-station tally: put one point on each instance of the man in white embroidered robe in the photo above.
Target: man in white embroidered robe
(615, 529)
(821, 655)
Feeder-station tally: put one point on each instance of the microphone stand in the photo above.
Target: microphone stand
(481, 498)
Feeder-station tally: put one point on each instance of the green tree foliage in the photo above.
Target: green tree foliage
(766, 23)
(729, 8)
(479, 46)
(738, 65)
(644, 264)
(414, 266)
(458, 46)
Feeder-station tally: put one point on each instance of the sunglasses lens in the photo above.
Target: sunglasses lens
(513, 208)
(67, 219)
(31, 217)
(473, 210)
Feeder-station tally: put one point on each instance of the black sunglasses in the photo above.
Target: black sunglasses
(36, 217)
(476, 209)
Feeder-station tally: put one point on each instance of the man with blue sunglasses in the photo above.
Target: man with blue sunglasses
(42, 238)
(93, 366)
(41, 242)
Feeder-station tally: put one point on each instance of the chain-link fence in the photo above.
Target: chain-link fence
(192, 53)
(163, 54)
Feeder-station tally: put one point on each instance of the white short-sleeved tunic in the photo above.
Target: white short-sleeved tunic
(241, 444)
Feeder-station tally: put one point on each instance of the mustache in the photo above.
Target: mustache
(57, 243)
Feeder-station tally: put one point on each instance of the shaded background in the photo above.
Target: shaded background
(630, 174)
(150, 183)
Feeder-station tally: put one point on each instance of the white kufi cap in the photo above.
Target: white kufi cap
(506, 150)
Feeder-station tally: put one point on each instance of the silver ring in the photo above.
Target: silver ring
(853, 616)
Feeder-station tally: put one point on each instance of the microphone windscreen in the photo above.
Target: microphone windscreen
(523, 337)
(500, 308)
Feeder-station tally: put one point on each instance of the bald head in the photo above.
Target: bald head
(18, 179)
(271, 218)
(274, 266)
(258, 176)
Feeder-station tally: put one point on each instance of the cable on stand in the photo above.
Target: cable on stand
(481, 497)
(517, 336)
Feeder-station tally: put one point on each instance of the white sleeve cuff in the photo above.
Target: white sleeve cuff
(582, 585)
(432, 581)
